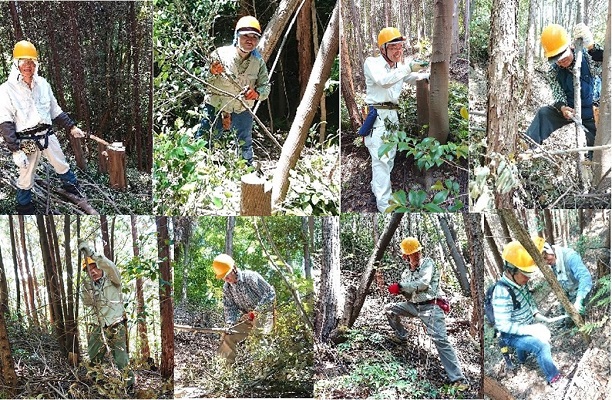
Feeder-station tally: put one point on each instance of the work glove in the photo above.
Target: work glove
(251, 315)
(216, 68)
(539, 331)
(251, 94)
(85, 248)
(583, 31)
(394, 288)
(417, 65)
(578, 305)
(76, 132)
(20, 159)
(422, 75)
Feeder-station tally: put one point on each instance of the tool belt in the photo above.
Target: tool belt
(385, 106)
(442, 303)
(29, 137)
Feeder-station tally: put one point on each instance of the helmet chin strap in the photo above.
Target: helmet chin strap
(241, 49)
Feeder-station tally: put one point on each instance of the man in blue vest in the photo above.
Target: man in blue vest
(561, 54)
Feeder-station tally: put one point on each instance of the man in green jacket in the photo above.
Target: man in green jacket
(101, 291)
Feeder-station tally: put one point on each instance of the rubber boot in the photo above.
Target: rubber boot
(73, 188)
(26, 209)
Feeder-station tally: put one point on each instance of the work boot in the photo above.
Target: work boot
(398, 339)
(26, 209)
(460, 385)
(73, 188)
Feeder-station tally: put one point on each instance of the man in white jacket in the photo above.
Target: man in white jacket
(385, 76)
(101, 291)
(28, 109)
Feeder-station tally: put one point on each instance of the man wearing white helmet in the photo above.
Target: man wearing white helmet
(28, 109)
(241, 75)
(571, 273)
(385, 76)
(248, 302)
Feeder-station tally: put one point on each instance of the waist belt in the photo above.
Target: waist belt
(422, 303)
(36, 135)
(385, 106)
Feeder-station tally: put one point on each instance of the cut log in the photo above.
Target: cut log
(256, 196)
(495, 390)
(116, 166)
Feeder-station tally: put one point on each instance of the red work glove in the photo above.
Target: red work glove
(394, 288)
(251, 94)
(216, 68)
(252, 315)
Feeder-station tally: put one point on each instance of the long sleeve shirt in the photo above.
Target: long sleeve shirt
(423, 283)
(507, 319)
(571, 272)
(104, 296)
(251, 292)
(239, 74)
(384, 83)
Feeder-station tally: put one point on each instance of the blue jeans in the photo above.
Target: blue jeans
(529, 344)
(242, 123)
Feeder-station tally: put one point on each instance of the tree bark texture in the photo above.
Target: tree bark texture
(603, 159)
(440, 61)
(7, 366)
(143, 337)
(460, 267)
(493, 249)
(305, 113)
(304, 42)
(348, 90)
(4, 293)
(15, 267)
(375, 257)
(255, 196)
(229, 235)
(329, 302)
(166, 308)
(72, 333)
(276, 26)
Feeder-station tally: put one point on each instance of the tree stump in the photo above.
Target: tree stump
(256, 196)
(422, 98)
(102, 159)
(116, 166)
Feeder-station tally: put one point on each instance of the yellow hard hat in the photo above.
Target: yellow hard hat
(87, 261)
(539, 241)
(410, 245)
(25, 49)
(389, 34)
(515, 254)
(248, 23)
(222, 265)
(555, 40)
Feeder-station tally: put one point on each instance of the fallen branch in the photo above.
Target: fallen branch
(187, 328)
(529, 156)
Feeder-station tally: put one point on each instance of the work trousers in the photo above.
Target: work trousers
(524, 344)
(116, 339)
(227, 347)
(433, 318)
(548, 119)
(381, 165)
(54, 154)
(242, 123)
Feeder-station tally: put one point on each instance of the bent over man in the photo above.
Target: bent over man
(102, 293)
(28, 108)
(420, 285)
(248, 303)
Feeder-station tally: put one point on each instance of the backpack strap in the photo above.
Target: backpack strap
(515, 303)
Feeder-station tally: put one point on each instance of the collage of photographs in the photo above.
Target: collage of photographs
(332, 199)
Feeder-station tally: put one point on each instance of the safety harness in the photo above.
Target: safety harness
(32, 137)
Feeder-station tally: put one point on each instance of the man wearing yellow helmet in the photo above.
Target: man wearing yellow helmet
(561, 54)
(248, 302)
(420, 285)
(28, 109)
(241, 75)
(101, 291)
(516, 314)
(385, 76)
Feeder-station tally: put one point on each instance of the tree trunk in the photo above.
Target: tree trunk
(57, 265)
(522, 235)
(306, 248)
(29, 274)
(460, 267)
(4, 293)
(329, 304)
(143, 336)
(15, 20)
(229, 235)
(15, 266)
(502, 78)
(495, 390)
(368, 275)
(304, 43)
(106, 242)
(455, 32)
(7, 365)
(603, 159)
(473, 231)
(529, 49)
(494, 250)
(275, 28)
(72, 333)
(440, 60)
(347, 87)
(165, 299)
(305, 113)
(549, 226)
(255, 195)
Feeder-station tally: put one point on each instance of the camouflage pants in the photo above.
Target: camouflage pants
(116, 339)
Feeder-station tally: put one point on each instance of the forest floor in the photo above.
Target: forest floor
(135, 200)
(370, 365)
(551, 180)
(586, 366)
(357, 196)
(43, 372)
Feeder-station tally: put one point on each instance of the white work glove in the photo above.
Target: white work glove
(85, 248)
(76, 132)
(578, 305)
(583, 31)
(539, 331)
(540, 318)
(422, 75)
(20, 159)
